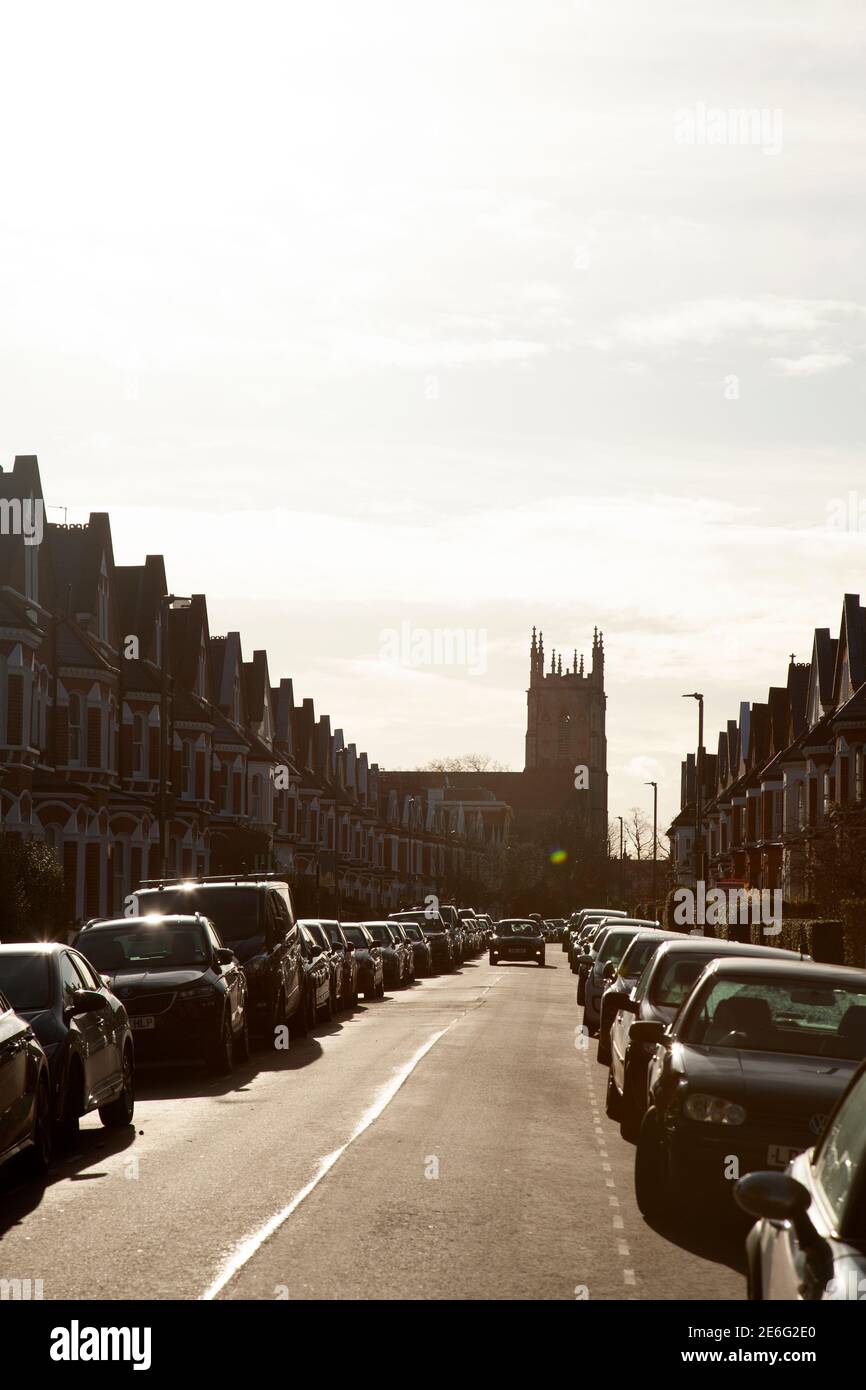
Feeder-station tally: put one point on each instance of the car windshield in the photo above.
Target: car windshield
(355, 935)
(430, 922)
(25, 980)
(808, 1017)
(235, 912)
(637, 955)
(675, 977)
(613, 947)
(414, 933)
(319, 935)
(139, 945)
(380, 933)
(332, 932)
(518, 929)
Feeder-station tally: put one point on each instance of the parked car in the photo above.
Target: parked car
(395, 953)
(421, 948)
(184, 991)
(334, 959)
(83, 1030)
(398, 930)
(809, 1239)
(368, 957)
(581, 919)
(664, 985)
(747, 1073)
(638, 953)
(584, 951)
(315, 961)
(517, 938)
(255, 919)
(340, 942)
(472, 927)
(438, 935)
(454, 923)
(25, 1088)
(601, 964)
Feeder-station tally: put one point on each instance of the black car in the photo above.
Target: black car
(345, 948)
(368, 955)
(25, 1088)
(421, 947)
(396, 953)
(746, 1075)
(517, 938)
(255, 919)
(436, 932)
(83, 1030)
(318, 1003)
(184, 991)
(663, 987)
(333, 957)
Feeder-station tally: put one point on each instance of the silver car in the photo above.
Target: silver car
(809, 1239)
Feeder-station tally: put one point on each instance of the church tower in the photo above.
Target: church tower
(565, 720)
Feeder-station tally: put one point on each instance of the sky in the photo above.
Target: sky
(386, 320)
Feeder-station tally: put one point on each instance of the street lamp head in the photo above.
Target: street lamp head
(693, 695)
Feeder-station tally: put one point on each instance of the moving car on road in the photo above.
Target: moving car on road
(517, 938)
(185, 993)
(25, 1087)
(255, 919)
(746, 1075)
(83, 1030)
(809, 1240)
(663, 987)
(368, 957)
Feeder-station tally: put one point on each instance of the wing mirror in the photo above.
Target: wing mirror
(775, 1196)
(85, 1001)
(223, 957)
(647, 1031)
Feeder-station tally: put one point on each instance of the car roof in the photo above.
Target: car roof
(171, 918)
(189, 883)
(39, 948)
(817, 970)
(697, 944)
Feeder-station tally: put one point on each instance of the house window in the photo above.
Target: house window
(75, 729)
(256, 795)
(858, 773)
(827, 792)
(139, 735)
(186, 767)
(801, 808)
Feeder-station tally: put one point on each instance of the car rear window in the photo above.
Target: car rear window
(235, 912)
(355, 935)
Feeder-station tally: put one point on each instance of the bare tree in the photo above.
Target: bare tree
(466, 762)
(639, 833)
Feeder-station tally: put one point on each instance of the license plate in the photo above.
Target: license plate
(780, 1155)
(518, 951)
(142, 1021)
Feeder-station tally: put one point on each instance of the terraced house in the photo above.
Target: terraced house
(783, 795)
(138, 744)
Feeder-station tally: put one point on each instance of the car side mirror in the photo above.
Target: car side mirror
(609, 971)
(86, 1001)
(223, 957)
(628, 1005)
(647, 1031)
(775, 1196)
(350, 945)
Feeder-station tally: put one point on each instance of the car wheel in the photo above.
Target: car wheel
(39, 1155)
(222, 1057)
(612, 1099)
(67, 1127)
(651, 1187)
(119, 1113)
(632, 1109)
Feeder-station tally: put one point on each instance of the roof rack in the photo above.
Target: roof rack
(258, 876)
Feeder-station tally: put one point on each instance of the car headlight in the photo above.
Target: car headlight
(713, 1110)
(196, 992)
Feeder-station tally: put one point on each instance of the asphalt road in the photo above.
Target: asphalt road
(448, 1142)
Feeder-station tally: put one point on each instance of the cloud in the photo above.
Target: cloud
(761, 321)
(812, 364)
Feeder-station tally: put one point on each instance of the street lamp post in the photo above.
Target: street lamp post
(655, 787)
(621, 860)
(699, 790)
(337, 754)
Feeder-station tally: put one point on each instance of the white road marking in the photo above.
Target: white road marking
(254, 1242)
